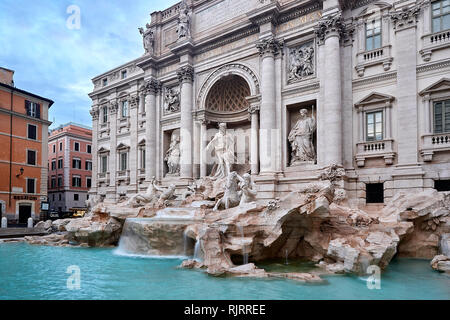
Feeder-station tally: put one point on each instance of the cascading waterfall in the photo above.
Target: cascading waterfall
(287, 254)
(244, 251)
(197, 250)
(185, 240)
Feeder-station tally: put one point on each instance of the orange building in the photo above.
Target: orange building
(23, 152)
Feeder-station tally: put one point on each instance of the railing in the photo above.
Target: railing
(439, 38)
(170, 12)
(436, 140)
(374, 54)
(375, 149)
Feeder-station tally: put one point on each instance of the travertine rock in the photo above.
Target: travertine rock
(441, 263)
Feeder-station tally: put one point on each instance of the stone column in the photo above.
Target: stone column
(268, 48)
(328, 32)
(405, 21)
(254, 144)
(112, 168)
(197, 148)
(151, 87)
(133, 165)
(203, 143)
(186, 77)
(94, 177)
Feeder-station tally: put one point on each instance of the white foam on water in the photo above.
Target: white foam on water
(119, 252)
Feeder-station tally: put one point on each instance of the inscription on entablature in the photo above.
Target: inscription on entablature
(226, 48)
(294, 23)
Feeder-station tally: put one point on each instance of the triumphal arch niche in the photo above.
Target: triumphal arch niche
(227, 97)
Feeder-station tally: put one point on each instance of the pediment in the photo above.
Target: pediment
(141, 142)
(441, 85)
(375, 98)
(102, 150)
(374, 9)
(122, 146)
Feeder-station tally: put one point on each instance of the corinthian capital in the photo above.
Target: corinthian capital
(94, 113)
(270, 46)
(406, 17)
(185, 73)
(151, 86)
(328, 25)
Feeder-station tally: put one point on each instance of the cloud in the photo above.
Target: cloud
(58, 63)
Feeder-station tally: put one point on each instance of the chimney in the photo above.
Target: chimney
(6, 76)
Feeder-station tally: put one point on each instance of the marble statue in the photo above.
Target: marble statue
(92, 201)
(191, 190)
(223, 145)
(301, 62)
(248, 189)
(183, 28)
(150, 195)
(231, 197)
(301, 138)
(172, 156)
(171, 100)
(167, 194)
(147, 39)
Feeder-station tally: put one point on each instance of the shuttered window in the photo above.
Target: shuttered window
(442, 116)
(31, 157)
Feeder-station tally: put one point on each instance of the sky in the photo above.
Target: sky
(52, 57)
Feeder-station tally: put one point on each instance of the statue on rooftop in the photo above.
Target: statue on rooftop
(147, 39)
(184, 21)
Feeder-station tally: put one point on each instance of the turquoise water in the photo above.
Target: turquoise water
(36, 272)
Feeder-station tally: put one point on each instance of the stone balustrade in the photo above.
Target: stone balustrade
(370, 58)
(432, 143)
(375, 149)
(433, 42)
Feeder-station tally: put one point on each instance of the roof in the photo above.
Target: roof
(27, 93)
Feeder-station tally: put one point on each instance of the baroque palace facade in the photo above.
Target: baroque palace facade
(300, 85)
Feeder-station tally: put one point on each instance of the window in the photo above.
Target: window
(60, 179)
(32, 132)
(442, 185)
(59, 198)
(89, 165)
(75, 197)
(88, 148)
(30, 185)
(124, 74)
(31, 157)
(53, 164)
(105, 114)
(374, 193)
(142, 158)
(123, 161)
(104, 163)
(53, 182)
(76, 181)
(60, 146)
(374, 126)
(60, 163)
(441, 116)
(105, 81)
(124, 109)
(33, 109)
(76, 146)
(54, 148)
(76, 163)
(373, 35)
(88, 182)
(440, 15)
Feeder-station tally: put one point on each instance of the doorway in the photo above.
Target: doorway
(24, 213)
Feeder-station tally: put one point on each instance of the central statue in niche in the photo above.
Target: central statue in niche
(301, 139)
(223, 145)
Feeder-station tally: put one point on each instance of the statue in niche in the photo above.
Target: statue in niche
(301, 62)
(301, 139)
(248, 189)
(172, 156)
(147, 39)
(223, 145)
(183, 28)
(150, 195)
(171, 100)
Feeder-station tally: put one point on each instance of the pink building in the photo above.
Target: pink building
(69, 166)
